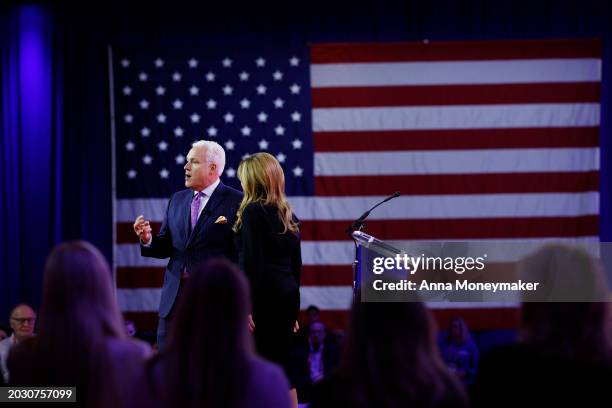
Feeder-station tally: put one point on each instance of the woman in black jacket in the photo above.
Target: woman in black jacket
(268, 242)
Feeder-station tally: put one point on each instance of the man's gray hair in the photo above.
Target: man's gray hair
(214, 153)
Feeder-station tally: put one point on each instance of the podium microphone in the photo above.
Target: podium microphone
(358, 223)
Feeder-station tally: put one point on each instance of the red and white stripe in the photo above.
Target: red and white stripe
(485, 140)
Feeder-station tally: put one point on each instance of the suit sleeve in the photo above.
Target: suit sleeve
(296, 264)
(231, 250)
(251, 250)
(161, 244)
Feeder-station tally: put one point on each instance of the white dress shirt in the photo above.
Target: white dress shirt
(207, 192)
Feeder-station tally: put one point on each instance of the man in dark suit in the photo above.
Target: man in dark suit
(314, 360)
(197, 226)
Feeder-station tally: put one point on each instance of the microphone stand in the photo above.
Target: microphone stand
(358, 225)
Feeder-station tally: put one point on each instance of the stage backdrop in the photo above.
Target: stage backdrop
(484, 139)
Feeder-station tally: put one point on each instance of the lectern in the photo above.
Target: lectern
(367, 248)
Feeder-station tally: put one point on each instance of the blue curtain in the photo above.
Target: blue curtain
(54, 117)
(30, 137)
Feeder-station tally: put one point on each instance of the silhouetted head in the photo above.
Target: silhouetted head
(206, 359)
(570, 328)
(392, 358)
(458, 332)
(313, 314)
(79, 318)
(316, 333)
(213, 308)
(77, 292)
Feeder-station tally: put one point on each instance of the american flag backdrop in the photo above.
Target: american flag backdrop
(485, 140)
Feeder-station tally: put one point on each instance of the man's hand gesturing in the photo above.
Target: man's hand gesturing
(142, 228)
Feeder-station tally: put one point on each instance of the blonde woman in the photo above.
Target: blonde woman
(268, 242)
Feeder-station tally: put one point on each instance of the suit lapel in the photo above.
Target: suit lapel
(187, 214)
(215, 199)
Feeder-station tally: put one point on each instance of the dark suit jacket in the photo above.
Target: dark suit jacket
(271, 260)
(186, 249)
(330, 357)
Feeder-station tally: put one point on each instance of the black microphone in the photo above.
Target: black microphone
(358, 223)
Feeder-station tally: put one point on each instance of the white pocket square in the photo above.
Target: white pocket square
(221, 220)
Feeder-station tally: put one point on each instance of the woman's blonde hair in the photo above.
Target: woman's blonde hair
(263, 182)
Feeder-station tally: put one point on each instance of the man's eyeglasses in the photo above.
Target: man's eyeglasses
(24, 320)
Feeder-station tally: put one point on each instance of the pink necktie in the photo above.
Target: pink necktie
(195, 209)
